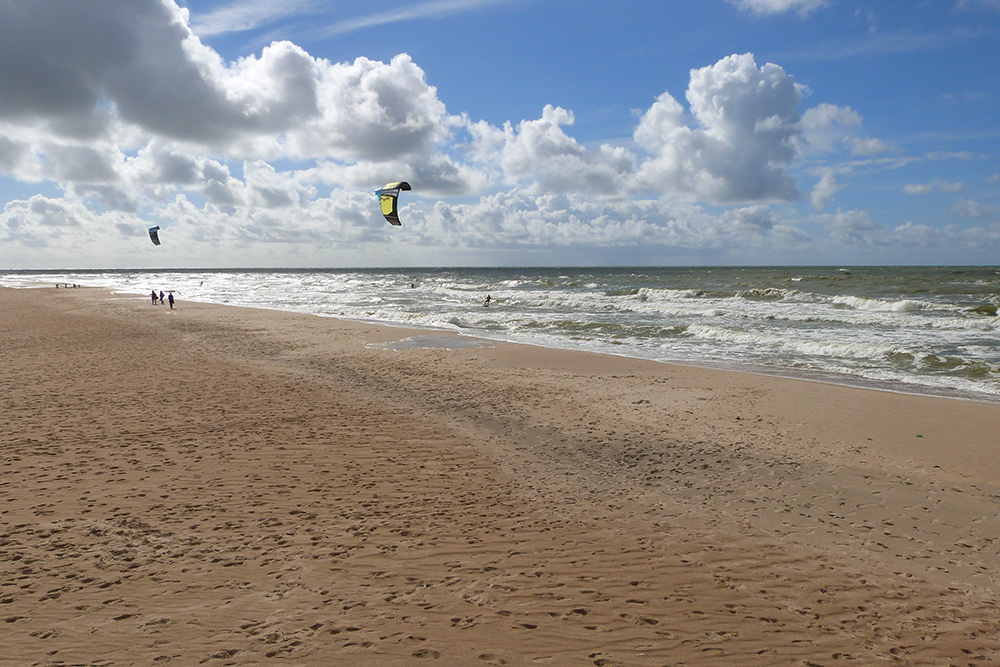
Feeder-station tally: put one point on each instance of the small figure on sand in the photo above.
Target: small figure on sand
(170, 299)
(153, 294)
(161, 297)
(486, 301)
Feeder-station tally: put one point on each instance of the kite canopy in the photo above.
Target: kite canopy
(153, 236)
(387, 197)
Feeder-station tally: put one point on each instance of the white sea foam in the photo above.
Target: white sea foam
(862, 303)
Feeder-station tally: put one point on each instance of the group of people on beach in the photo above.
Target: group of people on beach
(170, 298)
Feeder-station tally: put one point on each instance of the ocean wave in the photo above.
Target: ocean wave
(786, 343)
(766, 294)
(865, 303)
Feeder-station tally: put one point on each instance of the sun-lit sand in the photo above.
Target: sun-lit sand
(215, 485)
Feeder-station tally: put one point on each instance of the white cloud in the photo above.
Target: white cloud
(140, 62)
(828, 128)
(422, 10)
(138, 122)
(270, 189)
(870, 147)
(140, 80)
(968, 208)
(937, 185)
(858, 231)
(824, 190)
(746, 135)
(972, 4)
(780, 6)
(135, 61)
(540, 152)
(373, 110)
(64, 231)
(854, 228)
(149, 88)
(249, 14)
(518, 218)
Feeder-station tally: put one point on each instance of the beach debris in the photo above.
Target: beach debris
(388, 195)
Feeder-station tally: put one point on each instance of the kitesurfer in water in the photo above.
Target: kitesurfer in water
(486, 301)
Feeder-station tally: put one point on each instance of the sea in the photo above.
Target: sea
(923, 330)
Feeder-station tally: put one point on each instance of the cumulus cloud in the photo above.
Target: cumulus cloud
(736, 144)
(859, 230)
(828, 128)
(518, 218)
(272, 189)
(136, 121)
(747, 128)
(137, 63)
(138, 77)
(65, 229)
(136, 58)
(855, 228)
(859, 234)
(540, 152)
(824, 190)
(375, 110)
(968, 208)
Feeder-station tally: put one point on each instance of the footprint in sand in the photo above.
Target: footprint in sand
(427, 653)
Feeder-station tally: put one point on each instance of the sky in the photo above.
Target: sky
(533, 132)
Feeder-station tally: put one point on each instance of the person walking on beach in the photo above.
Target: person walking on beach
(170, 299)
(153, 294)
(161, 297)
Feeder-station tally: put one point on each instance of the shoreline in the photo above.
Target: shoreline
(804, 375)
(221, 483)
(877, 328)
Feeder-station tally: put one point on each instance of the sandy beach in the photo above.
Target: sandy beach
(229, 486)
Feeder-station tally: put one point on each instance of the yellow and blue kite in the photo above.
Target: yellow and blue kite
(387, 196)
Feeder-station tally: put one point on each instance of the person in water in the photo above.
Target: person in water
(486, 301)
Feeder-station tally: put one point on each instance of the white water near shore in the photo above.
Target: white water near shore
(930, 330)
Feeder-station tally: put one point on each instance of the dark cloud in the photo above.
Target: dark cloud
(64, 59)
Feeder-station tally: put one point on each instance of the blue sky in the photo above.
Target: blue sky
(534, 132)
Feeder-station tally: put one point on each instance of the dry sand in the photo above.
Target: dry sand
(216, 486)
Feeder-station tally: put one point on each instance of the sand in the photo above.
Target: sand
(228, 486)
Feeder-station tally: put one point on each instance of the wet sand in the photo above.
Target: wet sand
(228, 486)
